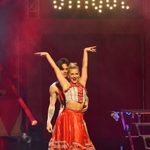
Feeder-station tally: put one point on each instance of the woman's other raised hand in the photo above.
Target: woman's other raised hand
(90, 49)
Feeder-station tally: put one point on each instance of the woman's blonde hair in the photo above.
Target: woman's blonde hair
(73, 65)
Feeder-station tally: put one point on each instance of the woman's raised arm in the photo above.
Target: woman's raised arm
(63, 81)
(84, 70)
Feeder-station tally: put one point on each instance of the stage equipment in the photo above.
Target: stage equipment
(134, 119)
(27, 111)
(25, 107)
(92, 5)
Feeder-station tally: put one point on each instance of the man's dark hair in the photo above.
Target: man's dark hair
(62, 61)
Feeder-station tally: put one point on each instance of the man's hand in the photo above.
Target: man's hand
(49, 127)
(85, 108)
(86, 104)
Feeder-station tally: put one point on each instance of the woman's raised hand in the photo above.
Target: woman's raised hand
(42, 53)
(90, 49)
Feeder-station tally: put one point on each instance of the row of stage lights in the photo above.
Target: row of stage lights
(88, 4)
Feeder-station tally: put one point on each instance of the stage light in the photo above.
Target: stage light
(78, 6)
(93, 4)
(34, 122)
(27, 111)
(123, 7)
(115, 115)
(54, 2)
(86, 2)
(100, 11)
(55, 6)
(86, 7)
(122, 2)
(115, 5)
(96, 7)
(70, 6)
(105, 5)
(70, 2)
(100, 6)
(60, 8)
(108, 5)
(112, 5)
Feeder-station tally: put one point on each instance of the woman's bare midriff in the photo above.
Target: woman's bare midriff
(74, 105)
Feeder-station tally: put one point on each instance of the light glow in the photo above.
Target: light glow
(100, 11)
(55, 6)
(122, 2)
(86, 7)
(78, 6)
(54, 2)
(97, 5)
(115, 5)
(108, 5)
(93, 4)
(100, 6)
(123, 7)
(59, 7)
(70, 6)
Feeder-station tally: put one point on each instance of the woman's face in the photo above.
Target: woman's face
(74, 75)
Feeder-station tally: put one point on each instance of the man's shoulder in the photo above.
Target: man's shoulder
(54, 83)
(53, 86)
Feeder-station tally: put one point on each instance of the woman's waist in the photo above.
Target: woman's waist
(73, 105)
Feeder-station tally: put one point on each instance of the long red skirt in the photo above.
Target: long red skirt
(70, 133)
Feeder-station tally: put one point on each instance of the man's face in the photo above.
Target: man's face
(64, 70)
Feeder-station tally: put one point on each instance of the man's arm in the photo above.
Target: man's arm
(51, 108)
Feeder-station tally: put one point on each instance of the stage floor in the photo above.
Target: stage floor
(12, 143)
